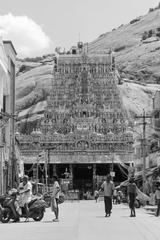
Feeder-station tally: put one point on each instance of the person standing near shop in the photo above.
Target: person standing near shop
(108, 188)
(132, 192)
(55, 198)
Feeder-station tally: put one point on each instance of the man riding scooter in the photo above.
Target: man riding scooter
(25, 195)
(15, 206)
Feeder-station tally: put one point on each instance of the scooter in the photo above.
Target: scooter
(9, 208)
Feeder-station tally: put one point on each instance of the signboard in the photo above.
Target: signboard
(75, 158)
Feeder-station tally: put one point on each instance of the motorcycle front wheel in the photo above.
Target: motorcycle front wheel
(5, 215)
(38, 217)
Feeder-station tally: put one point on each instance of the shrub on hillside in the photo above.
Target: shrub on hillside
(118, 49)
(22, 68)
(150, 33)
(134, 20)
(151, 10)
(145, 35)
(121, 25)
(102, 35)
(36, 59)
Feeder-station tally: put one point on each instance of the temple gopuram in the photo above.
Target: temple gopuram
(83, 135)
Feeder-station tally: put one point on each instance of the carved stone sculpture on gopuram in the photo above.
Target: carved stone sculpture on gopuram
(84, 110)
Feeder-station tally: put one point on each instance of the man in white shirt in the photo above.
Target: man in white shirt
(26, 195)
(108, 188)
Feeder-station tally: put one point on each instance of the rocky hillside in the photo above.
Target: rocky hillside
(136, 46)
(137, 50)
(33, 84)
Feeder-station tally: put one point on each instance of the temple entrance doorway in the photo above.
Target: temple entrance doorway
(83, 177)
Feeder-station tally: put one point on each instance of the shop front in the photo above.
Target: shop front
(79, 176)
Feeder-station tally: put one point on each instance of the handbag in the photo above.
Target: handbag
(61, 198)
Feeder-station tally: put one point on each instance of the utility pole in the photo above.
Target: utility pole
(111, 149)
(46, 172)
(143, 141)
(1, 170)
(48, 163)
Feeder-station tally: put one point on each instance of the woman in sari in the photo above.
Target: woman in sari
(55, 198)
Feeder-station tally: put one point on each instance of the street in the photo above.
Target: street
(84, 220)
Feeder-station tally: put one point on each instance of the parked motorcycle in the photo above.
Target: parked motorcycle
(9, 208)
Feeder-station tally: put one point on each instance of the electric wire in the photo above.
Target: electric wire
(122, 171)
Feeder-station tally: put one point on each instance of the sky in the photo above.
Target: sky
(36, 27)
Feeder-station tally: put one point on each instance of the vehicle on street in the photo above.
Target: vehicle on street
(10, 209)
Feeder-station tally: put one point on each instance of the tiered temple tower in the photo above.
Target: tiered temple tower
(84, 122)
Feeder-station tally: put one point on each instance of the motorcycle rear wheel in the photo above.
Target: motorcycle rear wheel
(39, 216)
(5, 216)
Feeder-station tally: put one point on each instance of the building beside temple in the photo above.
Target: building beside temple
(84, 129)
(7, 108)
(156, 113)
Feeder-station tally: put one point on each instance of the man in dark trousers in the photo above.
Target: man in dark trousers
(157, 196)
(132, 192)
(108, 188)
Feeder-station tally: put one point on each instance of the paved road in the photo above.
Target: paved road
(85, 220)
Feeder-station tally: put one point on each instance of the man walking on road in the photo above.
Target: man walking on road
(131, 191)
(108, 188)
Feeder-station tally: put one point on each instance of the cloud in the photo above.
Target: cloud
(28, 37)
